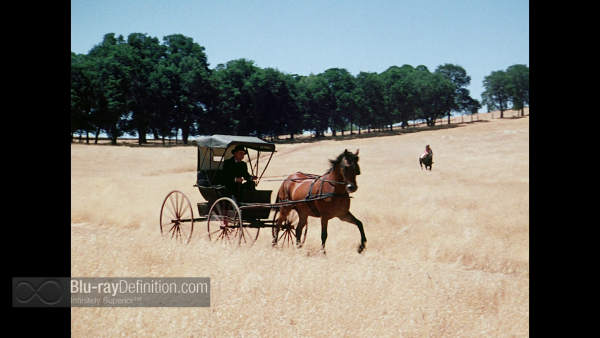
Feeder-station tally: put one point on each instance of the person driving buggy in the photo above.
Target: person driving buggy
(235, 171)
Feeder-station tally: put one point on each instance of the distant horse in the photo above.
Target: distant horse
(427, 161)
(326, 197)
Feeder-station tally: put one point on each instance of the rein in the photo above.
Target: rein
(310, 177)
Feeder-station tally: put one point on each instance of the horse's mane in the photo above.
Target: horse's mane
(349, 156)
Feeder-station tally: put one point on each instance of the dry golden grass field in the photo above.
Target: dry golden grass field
(447, 252)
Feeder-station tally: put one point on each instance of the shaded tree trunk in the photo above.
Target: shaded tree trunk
(142, 130)
(96, 136)
(155, 133)
(185, 133)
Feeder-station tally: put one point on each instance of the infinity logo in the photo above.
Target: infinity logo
(50, 292)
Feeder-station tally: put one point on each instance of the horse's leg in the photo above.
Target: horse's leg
(324, 222)
(421, 163)
(351, 219)
(303, 219)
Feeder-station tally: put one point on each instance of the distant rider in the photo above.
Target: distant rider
(427, 151)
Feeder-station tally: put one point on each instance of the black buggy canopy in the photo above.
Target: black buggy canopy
(213, 150)
(227, 141)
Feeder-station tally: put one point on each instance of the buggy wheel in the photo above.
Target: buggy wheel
(177, 217)
(286, 234)
(225, 224)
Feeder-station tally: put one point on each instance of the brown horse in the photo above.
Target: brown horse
(326, 197)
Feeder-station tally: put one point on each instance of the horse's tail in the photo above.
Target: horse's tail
(284, 193)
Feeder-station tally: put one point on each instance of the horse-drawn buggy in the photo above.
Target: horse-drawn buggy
(232, 219)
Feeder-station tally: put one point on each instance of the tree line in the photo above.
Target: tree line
(140, 86)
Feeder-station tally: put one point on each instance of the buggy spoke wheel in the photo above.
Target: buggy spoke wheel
(248, 234)
(287, 232)
(224, 221)
(177, 217)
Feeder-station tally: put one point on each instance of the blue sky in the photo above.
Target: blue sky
(311, 36)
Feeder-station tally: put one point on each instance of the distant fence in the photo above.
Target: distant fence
(438, 122)
(483, 116)
(475, 117)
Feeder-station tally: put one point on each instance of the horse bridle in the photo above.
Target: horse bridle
(347, 164)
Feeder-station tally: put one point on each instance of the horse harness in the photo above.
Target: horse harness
(321, 195)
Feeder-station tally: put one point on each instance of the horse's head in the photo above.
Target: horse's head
(350, 169)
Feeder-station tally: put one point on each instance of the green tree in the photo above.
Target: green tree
(400, 94)
(82, 95)
(162, 82)
(184, 77)
(341, 86)
(458, 76)
(434, 93)
(519, 89)
(471, 106)
(275, 109)
(195, 78)
(235, 89)
(316, 103)
(497, 92)
(113, 63)
(147, 52)
(370, 98)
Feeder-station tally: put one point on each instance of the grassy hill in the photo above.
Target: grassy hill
(447, 251)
